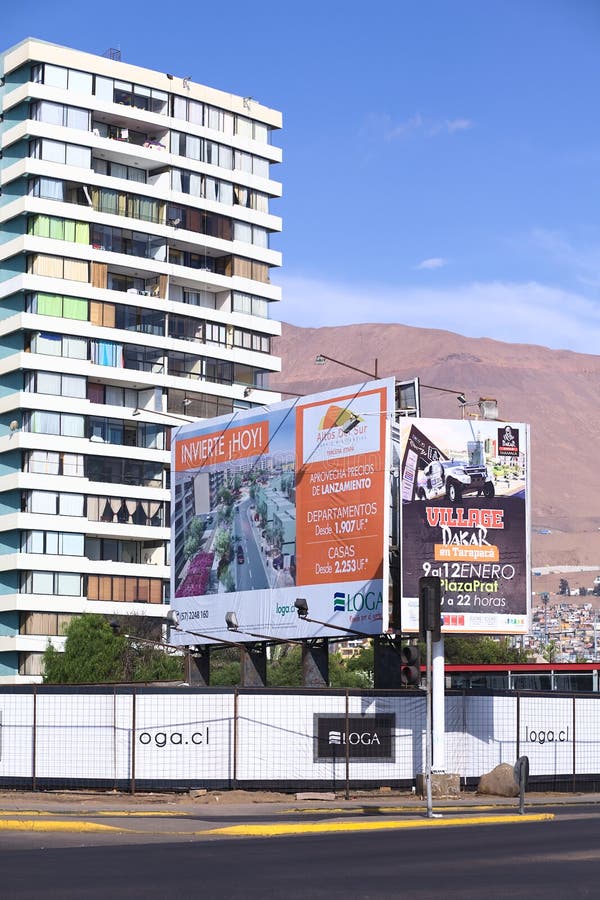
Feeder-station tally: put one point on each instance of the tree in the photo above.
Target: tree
(473, 650)
(563, 587)
(550, 651)
(94, 654)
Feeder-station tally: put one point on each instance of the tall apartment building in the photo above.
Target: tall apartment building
(134, 288)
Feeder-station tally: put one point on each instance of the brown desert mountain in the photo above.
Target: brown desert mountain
(556, 391)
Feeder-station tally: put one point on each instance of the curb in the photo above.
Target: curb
(41, 825)
(290, 828)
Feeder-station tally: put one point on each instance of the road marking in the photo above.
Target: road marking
(330, 827)
(40, 825)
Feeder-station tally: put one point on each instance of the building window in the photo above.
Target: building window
(56, 543)
(54, 503)
(63, 584)
(250, 305)
(56, 384)
(59, 114)
(56, 305)
(49, 462)
(124, 589)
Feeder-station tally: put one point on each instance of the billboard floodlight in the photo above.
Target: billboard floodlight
(301, 607)
(173, 618)
(231, 620)
(488, 408)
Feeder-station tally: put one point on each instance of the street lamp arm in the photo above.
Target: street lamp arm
(207, 637)
(433, 387)
(322, 356)
(362, 634)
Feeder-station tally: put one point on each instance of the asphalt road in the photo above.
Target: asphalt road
(554, 859)
(250, 575)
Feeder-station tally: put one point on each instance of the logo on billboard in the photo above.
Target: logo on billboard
(339, 602)
(508, 441)
(358, 602)
(339, 417)
(368, 737)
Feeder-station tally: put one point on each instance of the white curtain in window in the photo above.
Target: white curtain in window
(68, 583)
(55, 76)
(53, 151)
(72, 426)
(78, 118)
(195, 112)
(73, 386)
(260, 166)
(52, 542)
(179, 108)
(44, 462)
(73, 464)
(48, 383)
(42, 583)
(71, 544)
(74, 347)
(70, 504)
(80, 82)
(242, 232)
(45, 422)
(78, 156)
(42, 502)
(243, 126)
(193, 149)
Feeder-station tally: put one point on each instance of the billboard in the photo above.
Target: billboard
(464, 517)
(277, 503)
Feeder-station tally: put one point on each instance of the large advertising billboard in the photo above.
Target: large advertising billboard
(465, 518)
(279, 503)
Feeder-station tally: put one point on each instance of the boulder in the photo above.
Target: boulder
(500, 782)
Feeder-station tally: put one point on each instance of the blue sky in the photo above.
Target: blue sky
(441, 157)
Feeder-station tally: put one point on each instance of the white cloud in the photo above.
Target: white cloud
(458, 125)
(583, 261)
(416, 124)
(527, 312)
(433, 262)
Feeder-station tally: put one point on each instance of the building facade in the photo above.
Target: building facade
(134, 288)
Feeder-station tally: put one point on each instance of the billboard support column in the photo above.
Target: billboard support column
(197, 666)
(254, 665)
(439, 713)
(315, 663)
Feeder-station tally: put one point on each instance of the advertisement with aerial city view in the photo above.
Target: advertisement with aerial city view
(278, 503)
(465, 518)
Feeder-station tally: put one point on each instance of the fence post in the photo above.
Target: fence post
(347, 743)
(574, 746)
(34, 742)
(235, 736)
(133, 727)
(518, 724)
(114, 737)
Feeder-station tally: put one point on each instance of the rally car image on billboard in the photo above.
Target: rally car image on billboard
(454, 477)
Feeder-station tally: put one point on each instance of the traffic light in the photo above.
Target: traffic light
(430, 607)
(410, 671)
